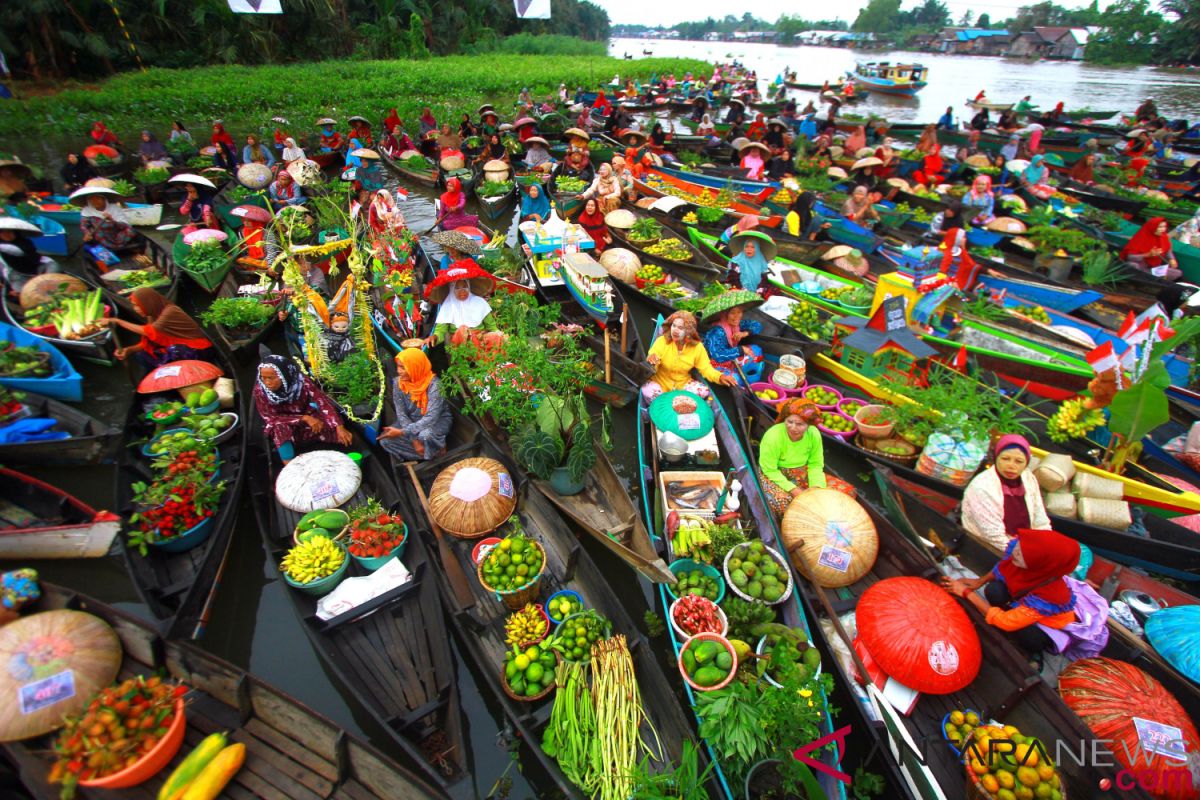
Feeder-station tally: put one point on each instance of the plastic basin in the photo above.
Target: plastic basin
(192, 537)
(323, 586)
(153, 762)
(688, 565)
(700, 637)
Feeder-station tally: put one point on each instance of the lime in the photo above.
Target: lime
(506, 544)
(534, 673)
(518, 545)
(522, 662)
(533, 653)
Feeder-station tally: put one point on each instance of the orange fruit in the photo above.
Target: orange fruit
(1026, 755)
(989, 783)
(1005, 794)
(1006, 779)
(1028, 776)
(978, 767)
(1045, 771)
(1023, 793)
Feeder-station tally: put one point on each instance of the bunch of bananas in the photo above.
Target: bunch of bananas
(525, 627)
(311, 560)
(691, 539)
(1073, 421)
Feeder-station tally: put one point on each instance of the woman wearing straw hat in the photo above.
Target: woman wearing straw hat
(725, 341)
(791, 456)
(456, 246)
(19, 258)
(423, 418)
(537, 156)
(753, 252)
(753, 159)
(103, 222)
(674, 354)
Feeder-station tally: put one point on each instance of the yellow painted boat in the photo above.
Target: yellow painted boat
(1164, 502)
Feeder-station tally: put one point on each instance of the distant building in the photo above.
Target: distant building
(1051, 42)
(975, 41)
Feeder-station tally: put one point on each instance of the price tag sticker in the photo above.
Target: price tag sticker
(324, 490)
(834, 558)
(504, 485)
(1157, 737)
(689, 422)
(46, 692)
(169, 371)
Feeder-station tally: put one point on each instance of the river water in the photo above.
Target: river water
(252, 623)
(952, 79)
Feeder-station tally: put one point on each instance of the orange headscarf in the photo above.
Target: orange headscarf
(420, 375)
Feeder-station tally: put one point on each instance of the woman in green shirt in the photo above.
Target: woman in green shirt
(791, 456)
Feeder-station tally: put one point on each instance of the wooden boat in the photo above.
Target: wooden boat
(479, 618)
(91, 440)
(429, 176)
(223, 205)
(976, 105)
(53, 239)
(138, 214)
(710, 246)
(922, 510)
(575, 276)
(63, 381)
(209, 281)
(1098, 198)
(1007, 687)
(497, 209)
(179, 588)
(760, 190)
(291, 750)
(393, 651)
(38, 521)
(115, 291)
(241, 343)
(97, 348)
(660, 184)
(697, 266)
(901, 80)
(697, 184)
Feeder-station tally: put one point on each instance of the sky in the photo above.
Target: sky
(669, 12)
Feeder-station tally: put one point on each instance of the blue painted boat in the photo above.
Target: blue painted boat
(52, 207)
(900, 80)
(843, 231)
(719, 182)
(63, 382)
(53, 241)
(1049, 297)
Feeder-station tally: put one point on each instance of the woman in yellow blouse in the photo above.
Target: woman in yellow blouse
(675, 354)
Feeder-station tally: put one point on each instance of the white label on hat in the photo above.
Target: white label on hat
(46, 692)
(167, 372)
(943, 657)
(1157, 737)
(689, 422)
(835, 558)
(324, 490)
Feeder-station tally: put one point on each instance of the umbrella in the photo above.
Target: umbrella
(1123, 705)
(178, 375)
(104, 183)
(862, 163)
(472, 497)
(735, 298)
(482, 282)
(457, 240)
(739, 143)
(666, 418)
(836, 172)
(536, 140)
(357, 118)
(830, 538)
(1055, 159)
(765, 243)
(621, 218)
(316, 480)
(188, 177)
(751, 145)
(899, 183)
(1006, 225)
(365, 152)
(1173, 632)
(919, 635)
(91, 191)
(252, 213)
(327, 121)
(10, 223)
(577, 133)
(254, 176)
(523, 121)
(54, 662)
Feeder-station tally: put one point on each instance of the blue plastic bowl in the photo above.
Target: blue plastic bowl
(561, 593)
(146, 447)
(688, 565)
(190, 538)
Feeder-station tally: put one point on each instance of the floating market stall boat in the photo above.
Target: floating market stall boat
(902, 80)
(291, 750)
(211, 274)
(154, 268)
(96, 346)
(60, 208)
(242, 340)
(89, 440)
(424, 172)
(43, 368)
(38, 521)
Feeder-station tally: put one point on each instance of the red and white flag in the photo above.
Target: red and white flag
(1103, 358)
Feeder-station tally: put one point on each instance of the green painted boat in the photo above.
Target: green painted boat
(209, 281)
(1187, 255)
(224, 207)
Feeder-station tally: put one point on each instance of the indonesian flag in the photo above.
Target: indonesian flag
(1128, 326)
(960, 359)
(400, 193)
(1129, 359)
(1103, 358)
(1140, 333)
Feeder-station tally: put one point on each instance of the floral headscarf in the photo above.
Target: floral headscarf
(689, 321)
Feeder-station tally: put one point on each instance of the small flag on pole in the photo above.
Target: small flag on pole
(255, 6)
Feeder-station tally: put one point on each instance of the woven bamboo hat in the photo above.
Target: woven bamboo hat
(978, 160)
(472, 497)
(1006, 225)
(621, 218)
(39, 288)
(830, 537)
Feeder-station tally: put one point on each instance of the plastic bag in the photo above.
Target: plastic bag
(353, 592)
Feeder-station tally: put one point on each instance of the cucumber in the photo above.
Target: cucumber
(190, 767)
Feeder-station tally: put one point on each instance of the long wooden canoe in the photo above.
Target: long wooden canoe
(38, 520)
(91, 440)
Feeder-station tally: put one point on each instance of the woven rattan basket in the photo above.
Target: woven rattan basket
(472, 498)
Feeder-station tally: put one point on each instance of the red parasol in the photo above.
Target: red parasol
(252, 213)
(919, 635)
(466, 269)
(177, 375)
(97, 150)
(1144, 722)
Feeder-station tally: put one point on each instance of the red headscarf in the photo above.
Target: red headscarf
(634, 163)
(964, 278)
(594, 225)
(221, 136)
(102, 135)
(1048, 556)
(391, 120)
(1145, 240)
(452, 198)
(1083, 171)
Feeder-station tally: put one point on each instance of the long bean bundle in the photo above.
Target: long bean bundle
(619, 716)
(572, 727)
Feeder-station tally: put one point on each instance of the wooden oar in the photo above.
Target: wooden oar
(454, 570)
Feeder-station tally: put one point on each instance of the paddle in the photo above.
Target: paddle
(454, 570)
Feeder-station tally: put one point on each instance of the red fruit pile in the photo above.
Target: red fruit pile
(695, 614)
(377, 536)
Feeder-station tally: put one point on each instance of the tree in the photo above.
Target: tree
(932, 14)
(984, 21)
(966, 18)
(1180, 40)
(1127, 34)
(417, 48)
(879, 16)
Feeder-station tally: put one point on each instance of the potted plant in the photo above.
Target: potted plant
(558, 446)
(354, 383)
(645, 231)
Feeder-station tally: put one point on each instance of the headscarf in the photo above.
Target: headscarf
(1035, 173)
(1009, 151)
(803, 206)
(689, 321)
(79, 172)
(221, 136)
(753, 163)
(1016, 512)
(289, 192)
(168, 318)
(1145, 240)
(539, 205)
(101, 134)
(153, 149)
(291, 152)
(981, 187)
(1039, 585)
(420, 375)
(1082, 171)
(459, 313)
(856, 141)
(800, 406)
(452, 198)
(593, 223)
(751, 268)
(392, 119)
(1035, 140)
(259, 151)
(427, 118)
(288, 372)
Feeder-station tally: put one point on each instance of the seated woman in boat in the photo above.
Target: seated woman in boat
(100, 134)
(674, 354)
(331, 137)
(791, 456)
(284, 191)
(605, 189)
(1036, 178)
(776, 135)
(757, 129)
(1140, 151)
(168, 334)
(928, 143)
(725, 340)
(447, 139)
(453, 203)
(803, 221)
(225, 155)
(957, 263)
(591, 219)
(291, 152)
(753, 160)
(459, 293)
(103, 223)
(76, 172)
(576, 164)
(293, 408)
(858, 207)
(1005, 497)
(384, 215)
(537, 156)
(981, 121)
(19, 258)
(423, 418)
(750, 262)
(1084, 170)
(493, 150)
(946, 220)
(1008, 121)
(1031, 596)
(658, 137)
(1005, 181)
(151, 149)
(395, 142)
(946, 121)
(257, 153)
(427, 121)
(466, 128)
(932, 171)
(736, 114)
(624, 177)
(198, 208)
(979, 203)
(1149, 250)
(535, 205)
(370, 175)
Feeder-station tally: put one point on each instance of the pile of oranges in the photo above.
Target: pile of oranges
(1005, 763)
